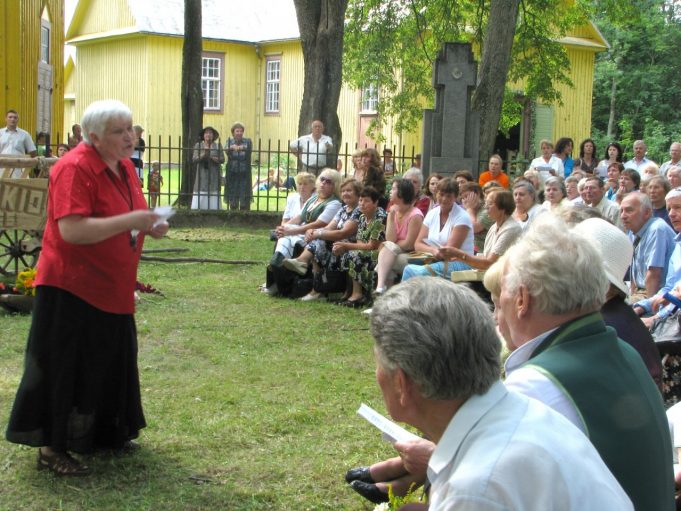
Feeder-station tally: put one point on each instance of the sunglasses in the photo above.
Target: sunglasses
(325, 181)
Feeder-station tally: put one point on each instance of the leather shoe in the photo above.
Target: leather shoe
(359, 474)
(369, 491)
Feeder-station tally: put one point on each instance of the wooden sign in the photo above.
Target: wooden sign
(23, 204)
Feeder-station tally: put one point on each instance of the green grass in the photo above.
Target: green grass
(250, 401)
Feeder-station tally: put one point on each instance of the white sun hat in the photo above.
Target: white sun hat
(613, 245)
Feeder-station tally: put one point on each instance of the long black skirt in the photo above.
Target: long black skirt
(80, 389)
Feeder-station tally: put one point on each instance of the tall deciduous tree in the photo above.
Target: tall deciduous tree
(394, 43)
(636, 86)
(192, 95)
(321, 25)
(493, 70)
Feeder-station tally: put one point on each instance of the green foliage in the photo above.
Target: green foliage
(643, 62)
(394, 43)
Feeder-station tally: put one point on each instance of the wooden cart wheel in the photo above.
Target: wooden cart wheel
(18, 250)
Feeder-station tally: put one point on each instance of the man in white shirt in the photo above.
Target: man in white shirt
(548, 164)
(639, 161)
(495, 449)
(15, 141)
(566, 357)
(675, 153)
(312, 149)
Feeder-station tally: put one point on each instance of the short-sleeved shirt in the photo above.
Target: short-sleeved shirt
(637, 166)
(502, 450)
(15, 142)
(293, 206)
(667, 165)
(103, 274)
(486, 177)
(543, 167)
(313, 153)
(499, 239)
(324, 211)
(653, 250)
(457, 216)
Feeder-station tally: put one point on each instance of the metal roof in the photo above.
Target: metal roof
(251, 21)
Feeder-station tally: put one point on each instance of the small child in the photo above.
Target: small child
(154, 182)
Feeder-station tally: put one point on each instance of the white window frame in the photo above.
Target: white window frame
(272, 85)
(212, 76)
(45, 33)
(370, 97)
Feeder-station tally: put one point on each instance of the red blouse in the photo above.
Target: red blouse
(102, 274)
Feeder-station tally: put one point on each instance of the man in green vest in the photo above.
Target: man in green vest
(554, 285)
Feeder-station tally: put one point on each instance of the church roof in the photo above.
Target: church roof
(253, 21)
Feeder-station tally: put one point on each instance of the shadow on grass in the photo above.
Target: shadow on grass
(147, 479)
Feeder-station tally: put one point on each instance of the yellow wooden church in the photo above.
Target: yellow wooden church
(252, 72)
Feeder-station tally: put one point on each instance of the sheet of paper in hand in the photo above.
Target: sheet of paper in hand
(391, 431)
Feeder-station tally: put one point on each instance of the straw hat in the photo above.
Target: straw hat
(216, 135)
(614, 247)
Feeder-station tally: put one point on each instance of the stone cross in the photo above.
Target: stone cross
(451, 131)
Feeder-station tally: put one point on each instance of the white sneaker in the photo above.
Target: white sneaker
(272, 290)
(311, 297)
(367, 312)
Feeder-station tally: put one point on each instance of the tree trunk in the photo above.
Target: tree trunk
(611, 119)
(322, 26)
(192, 95)
(493, 69)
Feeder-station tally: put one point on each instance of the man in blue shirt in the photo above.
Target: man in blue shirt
(653, 243)
(657, 306)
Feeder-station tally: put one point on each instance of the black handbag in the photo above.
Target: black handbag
(329, 281)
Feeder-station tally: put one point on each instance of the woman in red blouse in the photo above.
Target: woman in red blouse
(80, 388)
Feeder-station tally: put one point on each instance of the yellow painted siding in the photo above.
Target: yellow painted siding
(105, 15)
(19, 57)
(348, 115)
(282, 126)
(163, 113)
(70, 117)
(239, 86)
(573, 118)
(115, 70)
(285, 125)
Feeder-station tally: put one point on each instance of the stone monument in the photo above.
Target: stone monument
(451, 131)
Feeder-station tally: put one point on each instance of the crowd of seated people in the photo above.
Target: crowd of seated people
(638, 248)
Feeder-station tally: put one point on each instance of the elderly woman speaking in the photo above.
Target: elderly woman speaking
(80, 388)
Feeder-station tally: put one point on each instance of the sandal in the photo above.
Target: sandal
(61, 464)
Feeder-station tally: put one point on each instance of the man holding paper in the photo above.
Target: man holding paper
(494, 449)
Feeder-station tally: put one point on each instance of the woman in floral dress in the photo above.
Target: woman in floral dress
(359, 258)
(318, 250)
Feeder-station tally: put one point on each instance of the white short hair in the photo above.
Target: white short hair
(98, 114)
(561, 269)
(416, 173)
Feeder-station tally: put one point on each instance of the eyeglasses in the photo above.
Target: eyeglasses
(325, 181)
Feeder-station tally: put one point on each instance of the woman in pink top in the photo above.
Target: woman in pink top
(402, 229)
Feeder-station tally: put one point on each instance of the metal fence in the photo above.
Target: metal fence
(273, 171)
